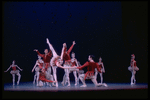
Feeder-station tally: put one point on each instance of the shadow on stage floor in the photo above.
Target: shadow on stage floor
(27, 90)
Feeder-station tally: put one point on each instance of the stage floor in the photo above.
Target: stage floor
(121, 88)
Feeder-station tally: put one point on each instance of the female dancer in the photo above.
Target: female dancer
(15, 71)
(38, 65)
(56, 60)
(133, 68)
(101, 67)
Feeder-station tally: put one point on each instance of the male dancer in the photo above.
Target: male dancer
(56, 60)
(46, 58)
(74, 63)
(67, 59)
(133, 68)
(91, 65)
(15, 71)
(42, 77)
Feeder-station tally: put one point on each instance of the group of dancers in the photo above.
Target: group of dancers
(51, 60)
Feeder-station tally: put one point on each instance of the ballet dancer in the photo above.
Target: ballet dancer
(38, 65)
(14, 71)
(101, 67)
(46, 58)
(56, 60)
(91, 65)
(67, 59)
(74, 63)
(133, 68)
(42, 78)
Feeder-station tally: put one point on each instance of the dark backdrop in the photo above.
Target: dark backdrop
(112, 30)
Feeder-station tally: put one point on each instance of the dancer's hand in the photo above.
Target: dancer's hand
(21, 69)
(73, 42)
(64, 44)
(47, 40)
(35, 50)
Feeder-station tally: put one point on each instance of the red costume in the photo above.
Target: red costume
(14, 68)
(132, 63)
(90, 67)
(73, 64)
(42, 77)
(100, 66)
(66, 56)
(46, 58)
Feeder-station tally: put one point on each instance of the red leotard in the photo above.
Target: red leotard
(14, 68)
(132, 63)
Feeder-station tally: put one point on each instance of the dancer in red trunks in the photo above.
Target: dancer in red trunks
(42, 77)
(56, 60)
(68, 63)
(74, 63)
(91, 65)
(46, 57)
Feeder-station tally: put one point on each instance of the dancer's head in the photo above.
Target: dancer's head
(132, 56)
(59, 60)
(73, 55)
(100, 59)
(46, 51)
(39, 57)
(65, 47)
(13, 62)
(91, 57)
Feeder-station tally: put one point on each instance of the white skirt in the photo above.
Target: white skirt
(14, 71)
(131, 68)
(37, 69)
(52, 62)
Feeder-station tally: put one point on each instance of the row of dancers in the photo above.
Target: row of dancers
(51, 60)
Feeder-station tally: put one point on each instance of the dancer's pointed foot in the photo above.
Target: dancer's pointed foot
(68, 85)
(17, 83)
(83, 86)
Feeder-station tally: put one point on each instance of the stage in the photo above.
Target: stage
(113, 90)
